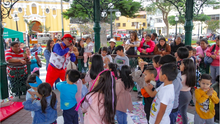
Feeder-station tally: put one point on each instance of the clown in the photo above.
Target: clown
(61, 54)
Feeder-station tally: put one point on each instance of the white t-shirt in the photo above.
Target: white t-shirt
(165, 95)
(129, 42)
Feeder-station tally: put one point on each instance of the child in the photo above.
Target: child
(113, 68)
(94, 69)
(88, 49)
(105, 57)
(206, 98)
(33, 81)
(68, 90)
(177, 87)
(164, 100)
(191, 56)
(45, 108)
(150, 74)
(156, 65)
(121, 59)
(123, 87)
(187, 69)
(84, 90)
(182, 53)
(100, 103)
(138, 76)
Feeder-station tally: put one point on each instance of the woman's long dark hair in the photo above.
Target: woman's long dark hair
(113, 68)
(104, 87)
(48, 45)
(125, 77)
(45, 90)
(97, 66)
(164, 46)
(190, 72)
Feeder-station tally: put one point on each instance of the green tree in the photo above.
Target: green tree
(44, 29)
(84, 9)
(164, 7)
(30, 26)
(200, 17)
(213, 25)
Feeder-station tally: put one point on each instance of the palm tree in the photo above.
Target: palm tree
(30, 26)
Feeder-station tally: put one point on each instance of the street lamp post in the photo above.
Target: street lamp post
(140, 23)
(176, 19)
(16, 18)
(62, 17)
(104, 14)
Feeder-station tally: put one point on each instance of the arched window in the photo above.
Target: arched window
(47, 10)
(54, 11)
(34, 9)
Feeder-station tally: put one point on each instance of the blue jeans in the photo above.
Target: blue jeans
(173, 117)
(121, 117)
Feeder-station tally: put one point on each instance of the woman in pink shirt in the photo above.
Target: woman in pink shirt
(215, 56)
(146, 46)
(123, 87)
(100, 103)
(200, 52)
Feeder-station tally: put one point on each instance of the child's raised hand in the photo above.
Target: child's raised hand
(32, 94)
(209, 93)
(149, 85)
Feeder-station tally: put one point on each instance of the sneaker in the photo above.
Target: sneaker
(140, 95)
(192, 103)
(85, 65)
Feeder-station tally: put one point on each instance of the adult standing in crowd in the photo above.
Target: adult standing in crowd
(176, 44)
(47, 54)
(39, 48)
(61, 54)
(47, 51)
(112, 44)
(200, 52)
(8, 42)
(215, 55)
(22, 45)
(154, 37)
(162, 48)
(132, 44)
(74, 41)
(143, 35)
(15, 55)
(146, 46)
(80, 48)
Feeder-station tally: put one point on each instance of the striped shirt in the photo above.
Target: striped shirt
(10, 54)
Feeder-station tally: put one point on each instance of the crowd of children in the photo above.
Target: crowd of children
(166, 86)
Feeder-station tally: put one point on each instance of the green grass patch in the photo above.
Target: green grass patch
(117, 43)
(44, 60)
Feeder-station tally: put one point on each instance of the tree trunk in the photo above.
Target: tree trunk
(165, 19)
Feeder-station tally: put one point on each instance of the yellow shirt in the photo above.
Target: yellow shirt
(205, 104)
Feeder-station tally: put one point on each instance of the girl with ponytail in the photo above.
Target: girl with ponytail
(44, 106)
(100, 102)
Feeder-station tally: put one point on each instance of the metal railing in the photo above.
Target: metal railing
(18, 78)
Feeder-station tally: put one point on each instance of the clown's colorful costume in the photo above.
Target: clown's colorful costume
(60, 57)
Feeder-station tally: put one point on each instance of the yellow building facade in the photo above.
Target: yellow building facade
(130, 24)
(42, 12)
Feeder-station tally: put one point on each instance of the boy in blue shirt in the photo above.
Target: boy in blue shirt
(68, 101)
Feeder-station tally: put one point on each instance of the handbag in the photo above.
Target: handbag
(209, 60)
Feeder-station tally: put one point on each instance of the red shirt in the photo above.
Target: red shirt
(10, 54)
(148, 50)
